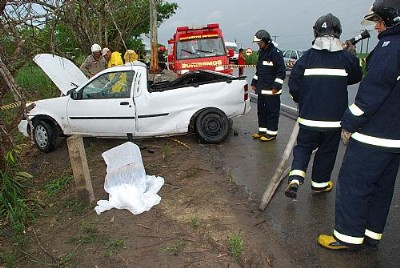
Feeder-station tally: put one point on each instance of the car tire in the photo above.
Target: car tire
(212, 126)
(45, 136)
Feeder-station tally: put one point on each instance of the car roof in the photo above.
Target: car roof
(232, 44)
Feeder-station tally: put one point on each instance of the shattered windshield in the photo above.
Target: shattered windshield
(200, 48)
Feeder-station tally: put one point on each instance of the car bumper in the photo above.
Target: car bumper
(23, 127)
(247, 106)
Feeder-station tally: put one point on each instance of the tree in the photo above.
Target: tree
(107, 22)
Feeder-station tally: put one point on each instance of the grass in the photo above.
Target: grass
(14, 209)
(37, 84)
(112, 247)
(77, 207)
(175, 248)
(16, 213)
(166, 150)
(66, 259)
(235, 245)
(194, 221)
(57, 185)
(8, 258)
(89, 233)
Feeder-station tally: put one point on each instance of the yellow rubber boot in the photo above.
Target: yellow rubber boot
(325, 189)
(257, 135)
(267, 138)
(329, 242)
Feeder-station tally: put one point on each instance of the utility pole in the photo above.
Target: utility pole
(275, 36)
(153, 32)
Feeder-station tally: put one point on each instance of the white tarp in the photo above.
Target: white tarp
(126, 181)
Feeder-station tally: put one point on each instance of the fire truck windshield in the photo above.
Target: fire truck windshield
(200, 48)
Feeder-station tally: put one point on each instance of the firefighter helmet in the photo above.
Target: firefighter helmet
(262, 35)
(327, 25)
(386, 10)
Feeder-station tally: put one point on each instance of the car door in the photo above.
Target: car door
(104, 106)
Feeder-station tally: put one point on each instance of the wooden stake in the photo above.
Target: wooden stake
(279, 172)
(80, 169)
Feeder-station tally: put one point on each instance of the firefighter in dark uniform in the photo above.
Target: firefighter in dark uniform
(366, 180)
(267, 83)
(318, 83)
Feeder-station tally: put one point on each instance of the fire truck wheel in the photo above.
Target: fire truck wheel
(212, 126)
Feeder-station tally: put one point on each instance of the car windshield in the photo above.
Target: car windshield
(200, 48)
(232, 47)
(109, 85)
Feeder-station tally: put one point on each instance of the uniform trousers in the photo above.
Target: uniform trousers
(268, 107)
(308, 140)
(364, 192)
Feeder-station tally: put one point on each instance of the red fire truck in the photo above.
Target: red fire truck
(193, 48)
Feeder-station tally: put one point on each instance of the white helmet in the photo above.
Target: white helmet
(95, 48)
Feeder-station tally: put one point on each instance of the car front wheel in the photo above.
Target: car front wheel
(212, 126)
(45, 136)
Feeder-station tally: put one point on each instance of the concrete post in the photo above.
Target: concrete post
(80, 169)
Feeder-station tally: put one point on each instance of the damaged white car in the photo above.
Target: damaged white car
(121, 102)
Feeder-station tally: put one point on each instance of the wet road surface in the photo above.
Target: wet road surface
(297, 223)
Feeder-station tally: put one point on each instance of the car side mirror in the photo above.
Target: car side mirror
(73, 94)
(231, 52)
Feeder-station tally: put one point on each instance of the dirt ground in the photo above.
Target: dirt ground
(200, 212)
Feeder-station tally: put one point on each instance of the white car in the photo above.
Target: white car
(290, 56)
(234, 47)
(121, 102)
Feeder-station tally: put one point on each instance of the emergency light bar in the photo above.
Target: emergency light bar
(187, 28)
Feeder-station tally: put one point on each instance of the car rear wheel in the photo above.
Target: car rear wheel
(45, 136)
(212, 126)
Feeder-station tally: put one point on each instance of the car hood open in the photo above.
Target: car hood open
(64, 73)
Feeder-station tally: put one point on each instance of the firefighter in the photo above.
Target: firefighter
(366, 179)
(93, 63)
(161, 58)
(318, 83)
(113, 58)
(267, 84)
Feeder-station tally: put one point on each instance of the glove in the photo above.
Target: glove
(350, 47)
(345, 136)
(274, 91)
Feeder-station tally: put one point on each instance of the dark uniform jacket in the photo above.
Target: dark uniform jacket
(374, 118)
(318, 83)
(270, 71)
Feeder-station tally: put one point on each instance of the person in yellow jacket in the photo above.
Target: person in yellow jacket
(113, 58)
(130, 55)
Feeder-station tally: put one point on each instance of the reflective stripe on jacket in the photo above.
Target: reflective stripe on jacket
(374, 118)
(270, 71)
(318, 83)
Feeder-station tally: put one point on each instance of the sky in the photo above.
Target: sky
(289, 22)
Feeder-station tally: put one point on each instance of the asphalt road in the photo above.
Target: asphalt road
(297, 223)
